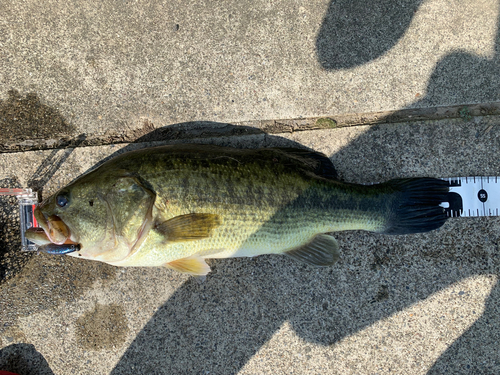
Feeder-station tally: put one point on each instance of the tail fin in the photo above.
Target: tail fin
(415, 205)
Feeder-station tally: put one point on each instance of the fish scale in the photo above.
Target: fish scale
(175, 205)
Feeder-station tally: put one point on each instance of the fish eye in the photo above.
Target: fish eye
(62, 200)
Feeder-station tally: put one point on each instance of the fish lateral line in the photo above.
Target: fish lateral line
(259, 201)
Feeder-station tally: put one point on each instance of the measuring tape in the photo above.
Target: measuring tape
(473, 197)
(468, 197)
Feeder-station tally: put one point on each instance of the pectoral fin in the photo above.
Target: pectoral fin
(188, 227)
(193, 265)
(322, 251)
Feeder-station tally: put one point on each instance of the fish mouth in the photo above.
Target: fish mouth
(37, 235)
(54, 230)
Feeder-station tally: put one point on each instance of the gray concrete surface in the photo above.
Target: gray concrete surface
(135, 70)
(106, 66)
(404, 304)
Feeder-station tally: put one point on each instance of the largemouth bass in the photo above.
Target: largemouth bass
(177, 205)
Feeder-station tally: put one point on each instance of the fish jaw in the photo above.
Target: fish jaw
(56, 230)
(120, 250)
(114, 248)
(37, 236)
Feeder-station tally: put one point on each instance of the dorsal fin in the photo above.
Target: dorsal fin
(317, 162)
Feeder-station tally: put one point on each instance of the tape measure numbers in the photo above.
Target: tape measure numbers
(473, 197)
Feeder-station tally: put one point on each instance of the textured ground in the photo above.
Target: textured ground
(80, 81)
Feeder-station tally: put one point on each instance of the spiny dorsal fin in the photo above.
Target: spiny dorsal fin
(317, 162)
(188, 227)
(322, 251)
(193, 265)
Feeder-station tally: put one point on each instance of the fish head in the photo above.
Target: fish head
(75, 214)
(105, 214)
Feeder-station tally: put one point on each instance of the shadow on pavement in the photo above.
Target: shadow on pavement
(464, 78)
(476, 351)
(23, 359)
(355, 32)
(217, 326)
(26, 118)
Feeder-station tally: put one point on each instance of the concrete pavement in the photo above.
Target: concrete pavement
(82, 80)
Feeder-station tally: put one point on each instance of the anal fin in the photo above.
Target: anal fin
(321, 251)
(193, 265)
